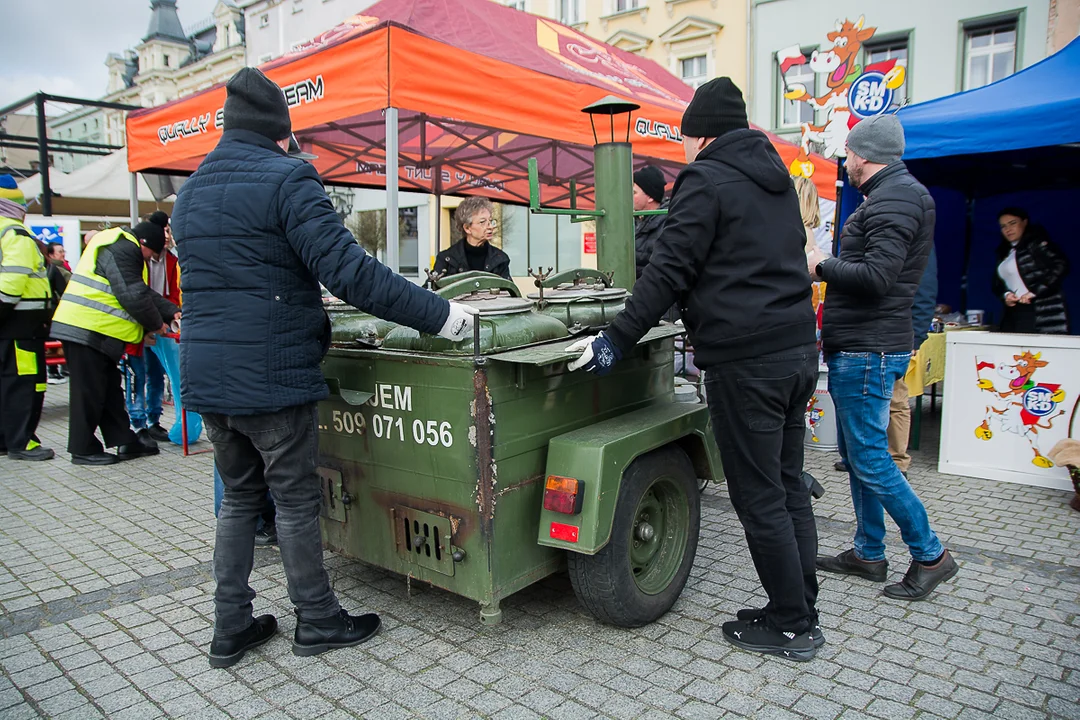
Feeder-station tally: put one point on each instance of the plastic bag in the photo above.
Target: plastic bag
(168, 351)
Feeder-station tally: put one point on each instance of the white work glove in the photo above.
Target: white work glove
(459, 323)
(598, 355)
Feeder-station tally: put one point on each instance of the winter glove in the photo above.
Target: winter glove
(598, 355)
(459, 323)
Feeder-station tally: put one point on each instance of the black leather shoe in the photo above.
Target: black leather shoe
(226, 651)
(158, 433)
(841, 466)
(337, 631)
(137, 449)
(757, 636)
(101, 458)
(848, 563)
(751, 614)
(266, 535)
(920, 580)
(38, 453)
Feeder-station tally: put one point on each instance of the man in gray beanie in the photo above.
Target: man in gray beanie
(256, 235)
(867, 332)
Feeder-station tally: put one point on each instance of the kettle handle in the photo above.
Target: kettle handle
(477, 283)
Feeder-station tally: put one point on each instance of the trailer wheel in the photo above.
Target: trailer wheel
(641, 572)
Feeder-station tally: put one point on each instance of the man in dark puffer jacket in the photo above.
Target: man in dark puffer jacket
(256, 235)
(867, 336)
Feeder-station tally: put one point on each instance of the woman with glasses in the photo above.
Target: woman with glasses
(474, 251)
(1030, 271)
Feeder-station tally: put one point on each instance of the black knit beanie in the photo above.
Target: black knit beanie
(717, 108)
(651, 182)
(254, 102)
(150, 234)
(160, 218)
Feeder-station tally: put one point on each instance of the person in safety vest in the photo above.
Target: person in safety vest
(257, 234)
(24, 324)
(107, 305)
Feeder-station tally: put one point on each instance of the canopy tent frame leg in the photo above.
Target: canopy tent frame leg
(969, 231)
(392, 219)
(134, 198)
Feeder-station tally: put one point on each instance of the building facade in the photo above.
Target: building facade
(806, 55)
(170, 62)
(276, 26)
(695, 40)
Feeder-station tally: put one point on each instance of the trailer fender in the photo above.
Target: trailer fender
(596, 456)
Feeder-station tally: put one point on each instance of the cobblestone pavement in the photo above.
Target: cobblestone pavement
(105, 588)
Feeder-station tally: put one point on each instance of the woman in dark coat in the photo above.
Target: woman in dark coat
(1030, 271)
(474, 251)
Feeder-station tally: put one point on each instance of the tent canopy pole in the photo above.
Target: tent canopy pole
(392, 220)
(134, 199)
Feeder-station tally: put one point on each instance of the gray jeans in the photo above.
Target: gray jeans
(253, 452)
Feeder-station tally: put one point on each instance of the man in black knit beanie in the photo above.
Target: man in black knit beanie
(731, 254)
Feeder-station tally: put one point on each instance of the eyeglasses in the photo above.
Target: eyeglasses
(490, 222)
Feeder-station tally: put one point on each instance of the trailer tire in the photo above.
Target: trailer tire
(640, 573)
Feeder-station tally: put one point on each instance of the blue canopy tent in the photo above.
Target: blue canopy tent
(1014, 142)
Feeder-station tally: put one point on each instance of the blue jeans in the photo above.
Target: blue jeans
(861, 387)
(146, 389)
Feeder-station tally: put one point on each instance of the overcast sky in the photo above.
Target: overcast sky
(59, 46)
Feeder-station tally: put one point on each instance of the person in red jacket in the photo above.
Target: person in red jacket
(147, 376)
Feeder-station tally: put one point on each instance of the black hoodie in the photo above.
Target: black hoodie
(731, 254)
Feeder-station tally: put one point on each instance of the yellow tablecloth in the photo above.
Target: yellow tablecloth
(927, 365)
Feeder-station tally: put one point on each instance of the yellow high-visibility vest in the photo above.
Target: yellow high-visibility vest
(24, 280)
(89, 302)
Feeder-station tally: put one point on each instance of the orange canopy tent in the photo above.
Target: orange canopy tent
(461, 92)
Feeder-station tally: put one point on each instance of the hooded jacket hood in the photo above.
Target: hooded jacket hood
(11, 209)
(750, 152)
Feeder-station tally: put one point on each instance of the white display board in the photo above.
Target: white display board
(1008, 399)
(64, 229)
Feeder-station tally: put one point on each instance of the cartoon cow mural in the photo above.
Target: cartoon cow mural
(1021, 406)
(839, 65)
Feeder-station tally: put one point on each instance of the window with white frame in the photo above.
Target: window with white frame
(794, 113)
(989, 54)
(694, 71)
(570, 11)
(888, 50)
(516, 4)
(264, 20)
(625, 5)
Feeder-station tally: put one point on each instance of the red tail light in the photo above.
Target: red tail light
(562, 495)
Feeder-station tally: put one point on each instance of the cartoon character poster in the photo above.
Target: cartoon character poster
(1019, 405)
(850, 92)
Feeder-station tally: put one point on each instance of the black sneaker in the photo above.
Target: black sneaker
(848, 563)
(750, 614)
(101, 458)
(158, 433)
(757, 636)
(337, 631)
(920, 580)
(137, 449)
(226, 651)
(38, 453)
(266, 535)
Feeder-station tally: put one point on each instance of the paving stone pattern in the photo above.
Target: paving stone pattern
(105, 588)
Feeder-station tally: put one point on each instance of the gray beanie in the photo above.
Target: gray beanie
(879, 139)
